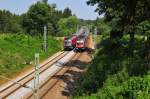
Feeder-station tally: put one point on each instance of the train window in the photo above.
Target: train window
(80, 42)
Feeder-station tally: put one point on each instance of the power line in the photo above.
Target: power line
(15, 82)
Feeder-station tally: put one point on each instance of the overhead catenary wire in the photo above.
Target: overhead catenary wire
(15, 82)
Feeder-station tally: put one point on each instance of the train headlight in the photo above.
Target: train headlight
(81, 41)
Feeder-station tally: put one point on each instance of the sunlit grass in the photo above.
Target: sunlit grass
(16, 50)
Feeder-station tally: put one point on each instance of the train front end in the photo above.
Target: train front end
(70, 42)
(67, 43)
(80, 45)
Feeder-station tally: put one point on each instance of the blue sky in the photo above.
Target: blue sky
(78, 7)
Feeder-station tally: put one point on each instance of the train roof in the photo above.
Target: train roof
(81, 37)
(82, 33)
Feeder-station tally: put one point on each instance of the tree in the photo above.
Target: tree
(67, 12)
(15, 24)
(9, 22)
(41, 14)
(102, 26)
(45, 1)
(4, 20)
(126, 13)
(68, 25)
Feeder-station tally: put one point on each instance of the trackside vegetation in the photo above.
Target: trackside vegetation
(120, 68)
(17, 51)
(114, 74)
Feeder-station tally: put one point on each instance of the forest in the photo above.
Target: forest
(120, 68)
(39, 15)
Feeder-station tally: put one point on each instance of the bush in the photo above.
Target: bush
(115, 73)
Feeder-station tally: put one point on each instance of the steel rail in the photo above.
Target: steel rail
(55, 59)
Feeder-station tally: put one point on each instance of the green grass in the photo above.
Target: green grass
(15, 50)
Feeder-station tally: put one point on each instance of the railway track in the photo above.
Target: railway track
(51, 82)
(11, 88)
(11, 84)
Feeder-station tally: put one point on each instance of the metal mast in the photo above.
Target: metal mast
(36, 77)
(95, 37)
(45, 39)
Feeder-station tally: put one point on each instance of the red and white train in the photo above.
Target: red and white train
(77, 40)
(70, 42)
(81, 43)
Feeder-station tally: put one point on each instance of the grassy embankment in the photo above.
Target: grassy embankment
(115, 73)
(16, 50)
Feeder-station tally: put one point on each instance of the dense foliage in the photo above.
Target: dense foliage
(33, 21)
(114, 74)
(124, 15)
(120, 68)
(103, 27)
(9, 22)
(68, 25)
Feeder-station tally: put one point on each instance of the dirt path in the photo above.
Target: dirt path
(90, 43)
(66, 83)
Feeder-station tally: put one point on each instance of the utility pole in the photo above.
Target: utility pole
(45, 39)
(36, 77)
(95, 37)
(77, 28)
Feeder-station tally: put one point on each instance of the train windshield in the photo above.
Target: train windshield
(80, 42)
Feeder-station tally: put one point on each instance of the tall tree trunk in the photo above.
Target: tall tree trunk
(131, 18)
(132, 42)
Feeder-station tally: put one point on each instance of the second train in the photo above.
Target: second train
(77, 41)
